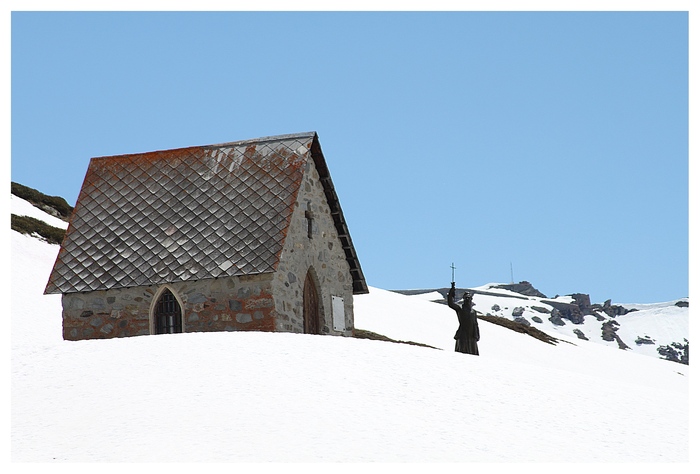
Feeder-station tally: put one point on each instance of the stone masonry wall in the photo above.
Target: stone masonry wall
(323, 252)
(225, 304)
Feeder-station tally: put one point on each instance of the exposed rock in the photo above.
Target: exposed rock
(676, 352)
(521, 320)
(580, 334)
(537, 319)
(684, 348)
(576, 315)
(570, 311)
(610, 309)
(583, 301)
(555, 318)
(495, 308)
(518, 311)
(540, 309)
(609, 330)
(644, 340)
(621, 344)
(609, 333)
(524, 288)
(682, 304)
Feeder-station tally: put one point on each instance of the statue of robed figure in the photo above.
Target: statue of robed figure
(467, 334)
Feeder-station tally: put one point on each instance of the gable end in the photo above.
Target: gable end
(359, 285)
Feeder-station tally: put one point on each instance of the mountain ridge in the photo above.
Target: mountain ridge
(522, 304)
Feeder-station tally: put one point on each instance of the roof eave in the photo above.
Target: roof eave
(359, 285)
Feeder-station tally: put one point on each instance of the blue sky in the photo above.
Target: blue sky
(553, 141)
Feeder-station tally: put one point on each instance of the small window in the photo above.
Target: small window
(168, 316)
(309, 223)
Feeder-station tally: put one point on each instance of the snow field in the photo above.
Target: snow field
(261, 397)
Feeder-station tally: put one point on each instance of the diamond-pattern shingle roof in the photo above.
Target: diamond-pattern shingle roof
(189, 214)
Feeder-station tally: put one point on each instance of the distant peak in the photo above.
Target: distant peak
(524, 288)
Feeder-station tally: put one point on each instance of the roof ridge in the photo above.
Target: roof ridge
(272, 138)
(268, 139)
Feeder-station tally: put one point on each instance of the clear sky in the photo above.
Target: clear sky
(553, 141)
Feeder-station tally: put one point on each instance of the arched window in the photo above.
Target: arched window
(167, 316)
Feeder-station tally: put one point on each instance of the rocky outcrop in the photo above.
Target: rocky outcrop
(676, 352)
(573, 309)
(612, 310)
(518, 316)
(521, 320)
(580, 307)
(583, 301)
(555, 318)
(524, 288)
(570, 311)
(609, 329)
(644, 340)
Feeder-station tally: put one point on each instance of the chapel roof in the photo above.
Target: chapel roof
(189, 214)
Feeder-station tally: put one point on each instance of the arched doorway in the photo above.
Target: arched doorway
(167, 316)
(312, 312)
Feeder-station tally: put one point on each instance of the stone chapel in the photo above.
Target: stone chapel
(246, 235)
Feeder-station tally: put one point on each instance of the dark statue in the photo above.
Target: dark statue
(468, 332)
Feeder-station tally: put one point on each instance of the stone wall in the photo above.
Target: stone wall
(323, 252)
(225, 304)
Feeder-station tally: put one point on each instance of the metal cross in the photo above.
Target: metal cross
(453, 271)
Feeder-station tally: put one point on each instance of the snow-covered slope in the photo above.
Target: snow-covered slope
(22, 207)
(251, 396)
(406, 318)
(643, 330)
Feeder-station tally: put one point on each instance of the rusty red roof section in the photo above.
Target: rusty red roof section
(190, 214)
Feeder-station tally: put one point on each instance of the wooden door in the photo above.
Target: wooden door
(311, 306)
